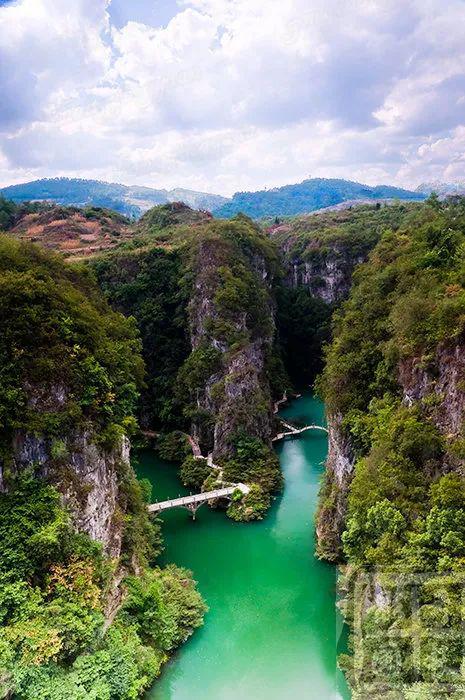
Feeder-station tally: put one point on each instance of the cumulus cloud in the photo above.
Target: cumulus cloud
(232, 94)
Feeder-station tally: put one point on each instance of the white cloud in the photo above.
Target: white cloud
(234, 94)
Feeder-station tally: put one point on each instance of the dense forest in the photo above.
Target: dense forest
(394, 389)
(309, 195)
(68, 394)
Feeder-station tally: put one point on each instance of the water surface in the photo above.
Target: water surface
(271, 632)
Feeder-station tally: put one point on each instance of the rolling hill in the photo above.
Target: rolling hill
(307, 196)
(131, 201)
(80, 233)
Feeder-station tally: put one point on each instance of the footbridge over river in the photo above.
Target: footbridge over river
(292, 430)
(195, 501)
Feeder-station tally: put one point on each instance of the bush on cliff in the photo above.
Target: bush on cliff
(250, 506)
(174, 446)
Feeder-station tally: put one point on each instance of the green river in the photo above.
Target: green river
(271, 632)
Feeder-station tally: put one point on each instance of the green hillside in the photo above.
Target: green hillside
(307, 196)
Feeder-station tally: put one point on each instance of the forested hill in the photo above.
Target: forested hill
(73, 518)
(202, 295)
(82, 232)
(393, 505)
(128, 200)
(309, 195)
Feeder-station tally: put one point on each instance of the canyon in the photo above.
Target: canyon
(227, 316)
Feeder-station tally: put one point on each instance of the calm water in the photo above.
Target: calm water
(271, 632)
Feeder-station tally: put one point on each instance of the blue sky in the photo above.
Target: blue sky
(154, 14)
(226, 95)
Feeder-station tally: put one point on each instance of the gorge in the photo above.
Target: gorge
(225, 317)
(272, 622)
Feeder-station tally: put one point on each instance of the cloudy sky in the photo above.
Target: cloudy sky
(225, 95)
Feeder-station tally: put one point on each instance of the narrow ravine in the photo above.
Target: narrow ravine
(272, 631)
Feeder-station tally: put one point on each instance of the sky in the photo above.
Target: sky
(230, 95)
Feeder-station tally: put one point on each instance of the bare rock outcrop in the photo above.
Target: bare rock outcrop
(333, 500)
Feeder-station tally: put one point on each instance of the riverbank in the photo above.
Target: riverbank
(271, 632)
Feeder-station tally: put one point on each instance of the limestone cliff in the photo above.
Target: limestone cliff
(86, 475)
(70, 369)
(443, 377)
(328, 276)
(435, 385)
(321, 251)
(438, 386)
(235, 396)
(333, 499)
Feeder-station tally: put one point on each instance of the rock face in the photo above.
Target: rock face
(86, 476)
(333, 501)
(237, 395)
(444, 377)
(328, 277)
(440, 383)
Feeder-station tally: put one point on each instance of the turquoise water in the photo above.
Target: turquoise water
(271, 631)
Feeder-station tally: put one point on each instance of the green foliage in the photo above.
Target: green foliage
(148, 286)
(304, 324)
(406, 516)
(406, 300)
(166, 216)
(256, 464)
(141, 535)
(251, 506)
(11, 213)
(120, 667)
(165, 607)
(8, 212)
(197, 369)
(174, 446)
(193, 472)
(51, 582)
(53, 588)
(343, 237)
(81, 363)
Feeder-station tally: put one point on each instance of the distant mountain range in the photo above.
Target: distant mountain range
(442, 188)
(307, 196)
(132, 201)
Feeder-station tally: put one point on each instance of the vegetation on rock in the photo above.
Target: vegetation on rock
(69, 367)
(403, 530)
(202, 297)
(67, 359)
